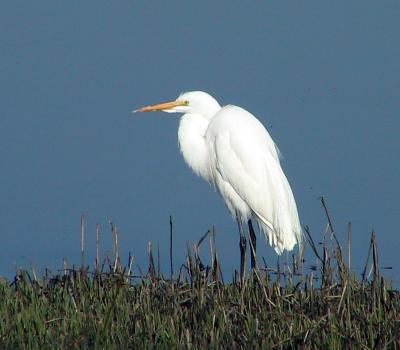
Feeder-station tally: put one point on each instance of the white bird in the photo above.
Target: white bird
(230, 148)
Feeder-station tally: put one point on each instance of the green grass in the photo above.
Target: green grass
(107, 307)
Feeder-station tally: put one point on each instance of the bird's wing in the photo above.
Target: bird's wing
(246, 160)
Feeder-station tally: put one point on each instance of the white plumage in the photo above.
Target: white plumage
(232, 150)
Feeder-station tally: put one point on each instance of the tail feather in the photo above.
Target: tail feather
(274, 236)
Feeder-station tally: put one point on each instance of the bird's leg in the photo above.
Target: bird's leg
(242, 246)
(253, 241)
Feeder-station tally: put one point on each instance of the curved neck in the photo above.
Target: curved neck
(210, 111)
(192, 128)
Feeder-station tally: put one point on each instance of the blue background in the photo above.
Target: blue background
(323, 77)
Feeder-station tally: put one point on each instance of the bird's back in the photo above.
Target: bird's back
(246, 171)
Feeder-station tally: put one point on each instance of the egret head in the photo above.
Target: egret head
(196, 102)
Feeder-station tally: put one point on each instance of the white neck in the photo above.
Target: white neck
(192, 128)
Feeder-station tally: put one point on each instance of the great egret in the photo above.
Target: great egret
(232, 150)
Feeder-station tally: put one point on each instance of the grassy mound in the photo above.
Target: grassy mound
(270, 309)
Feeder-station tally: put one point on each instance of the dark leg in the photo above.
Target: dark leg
(242, 246)
(253, 244)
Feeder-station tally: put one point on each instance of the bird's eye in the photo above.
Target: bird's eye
(186, 103)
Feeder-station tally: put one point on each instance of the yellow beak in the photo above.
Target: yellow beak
(162, 106)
